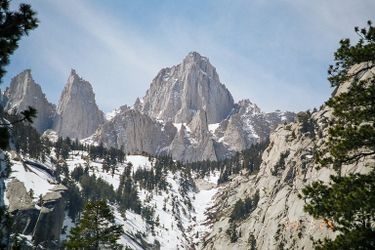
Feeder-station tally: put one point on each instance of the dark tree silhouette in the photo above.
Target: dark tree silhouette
(347, 203)
(13, 25)
(96, 229)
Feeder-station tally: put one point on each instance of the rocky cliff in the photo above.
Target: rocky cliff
(188, 114)
(135, 133)
(177, 93)
(194, 142)
(277, 219)
(78, 116)
(44, 221)
(51, 216)
(24, 92)
(248, 124)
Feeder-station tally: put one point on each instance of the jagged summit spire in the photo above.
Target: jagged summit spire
(78, 116)
(23, 91)
(26, 72)
(26, 77)
(196, 62)
(73, 73)
(179, 92)
(195, 57)
(77, 79)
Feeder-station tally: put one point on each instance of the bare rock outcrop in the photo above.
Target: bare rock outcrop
(247, 125)
(136, 133)
(24, 92)
(193, 142)
(43, 223)
(188, 114)
(177, 93)
(18, 197)
(51, 217)
(278, 220)
(78, 116)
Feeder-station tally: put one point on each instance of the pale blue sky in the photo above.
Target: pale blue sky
(275, 53)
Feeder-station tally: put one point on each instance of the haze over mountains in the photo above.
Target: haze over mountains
(186, 113)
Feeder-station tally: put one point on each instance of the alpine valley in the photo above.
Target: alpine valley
(184, 167)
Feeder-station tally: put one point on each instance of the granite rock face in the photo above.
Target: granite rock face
(188, 114)
(51, 217)
(135, 133)
(177, 93)
(193, 142)
(78, 116)
(24, 92)
(44, 223)
(18, 197)
(278, 221)
(247, 125)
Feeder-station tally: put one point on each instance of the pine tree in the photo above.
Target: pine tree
(13, 25)
(347, 203)
(96, 229)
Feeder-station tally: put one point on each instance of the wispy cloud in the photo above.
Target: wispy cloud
(275, 53)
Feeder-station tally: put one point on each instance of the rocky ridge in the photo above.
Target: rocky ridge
(187, 113)
(78, 116)
(23, 92)
(135, 133)
(277, 220)
(176, 94)
(192, 115)
(42, 221)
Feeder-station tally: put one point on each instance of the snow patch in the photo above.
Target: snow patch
(110, 115)
(212, 127)
(33, 178)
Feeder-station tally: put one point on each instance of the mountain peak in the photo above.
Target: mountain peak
(195, 57)
(178, 92)
(249, 107)
(23, 91)
(24, 78)
(73, 73)
(75, 79)
(26, 72)
(78, 114)
(196, 64)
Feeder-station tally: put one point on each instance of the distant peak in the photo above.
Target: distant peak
(195, 57)
(194, 54)
(26, 72)
(73, 73)
(24, 77)
(74, 77)
(249, 106)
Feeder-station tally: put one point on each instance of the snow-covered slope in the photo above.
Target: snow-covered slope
(178, 212)
(36, 180)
